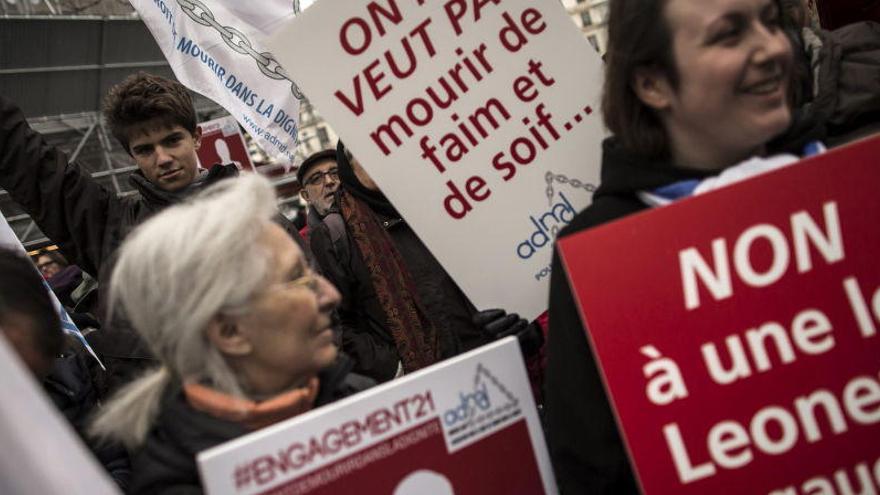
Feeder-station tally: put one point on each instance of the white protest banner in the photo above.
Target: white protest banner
(41, 452)
(218, 51)
(9, 240)
(478, 119)
(466, 425)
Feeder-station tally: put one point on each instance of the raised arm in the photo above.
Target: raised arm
(69, 207)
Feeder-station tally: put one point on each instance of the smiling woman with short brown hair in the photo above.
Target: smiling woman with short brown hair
(692, 88)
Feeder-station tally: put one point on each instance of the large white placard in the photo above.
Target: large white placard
(41, 453)
(466, 425)
(477, 118)
(217, 49)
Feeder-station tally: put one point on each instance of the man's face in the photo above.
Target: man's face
(320, 184)
(166, 155)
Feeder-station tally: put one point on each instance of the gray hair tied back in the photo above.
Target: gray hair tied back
(175, 273)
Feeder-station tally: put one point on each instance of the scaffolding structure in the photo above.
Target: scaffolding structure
(58, 68)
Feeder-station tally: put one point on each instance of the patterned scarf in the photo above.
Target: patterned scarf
(416, 338)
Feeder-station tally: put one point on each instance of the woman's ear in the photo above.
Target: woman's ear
(652, 88)
(225, 334)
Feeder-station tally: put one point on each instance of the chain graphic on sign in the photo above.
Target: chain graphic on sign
(550, 177)
(237, 41)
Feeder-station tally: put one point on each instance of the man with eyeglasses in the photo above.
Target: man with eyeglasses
(319, 177)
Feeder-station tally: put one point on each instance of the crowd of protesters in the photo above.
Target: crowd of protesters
(217, 317)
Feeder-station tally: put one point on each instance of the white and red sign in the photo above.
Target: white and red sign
(43, 454)
(478, 119)
(223, 142)
(737, 331)
(466, 425)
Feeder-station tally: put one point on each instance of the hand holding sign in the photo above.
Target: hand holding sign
(458, 109)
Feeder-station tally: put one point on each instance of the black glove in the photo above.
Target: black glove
(498, 324)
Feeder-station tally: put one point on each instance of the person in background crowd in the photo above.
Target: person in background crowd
(62, 278)
(319, 177)
(835, 93)
(400, 310)
(31, 325)
(154, 120)
(49, 262)
(692, 88)
(839, 13)
(27, 316)
(240, 324)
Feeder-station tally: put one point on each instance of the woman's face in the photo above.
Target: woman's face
(289, 323)
(733, 61)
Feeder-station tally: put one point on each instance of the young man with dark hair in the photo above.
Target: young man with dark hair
(155, 121)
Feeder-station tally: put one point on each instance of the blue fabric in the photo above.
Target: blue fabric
(813, 148)
(685, 188)
(677, 190)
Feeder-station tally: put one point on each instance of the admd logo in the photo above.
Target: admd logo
(485, 407)
(547, 224)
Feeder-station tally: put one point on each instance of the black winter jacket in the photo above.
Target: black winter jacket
(70, 387)
(166, 463)
(585, 445)
(838, 90)
(365, 336)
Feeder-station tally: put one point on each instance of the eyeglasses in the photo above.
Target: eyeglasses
(309, 280)
(45, 265)
(318, 178)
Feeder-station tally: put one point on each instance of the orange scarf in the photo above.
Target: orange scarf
(252, 415)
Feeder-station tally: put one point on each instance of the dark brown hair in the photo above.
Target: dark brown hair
(638, 37)
(142, 98)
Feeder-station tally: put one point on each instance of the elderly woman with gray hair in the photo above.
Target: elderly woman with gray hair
(242, 326)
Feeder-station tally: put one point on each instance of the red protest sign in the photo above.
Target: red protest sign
(737, 331)
(223, 142)
(425, 466)
(466, 425)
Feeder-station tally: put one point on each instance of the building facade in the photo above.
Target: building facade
(591, 16)
(315, 134)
